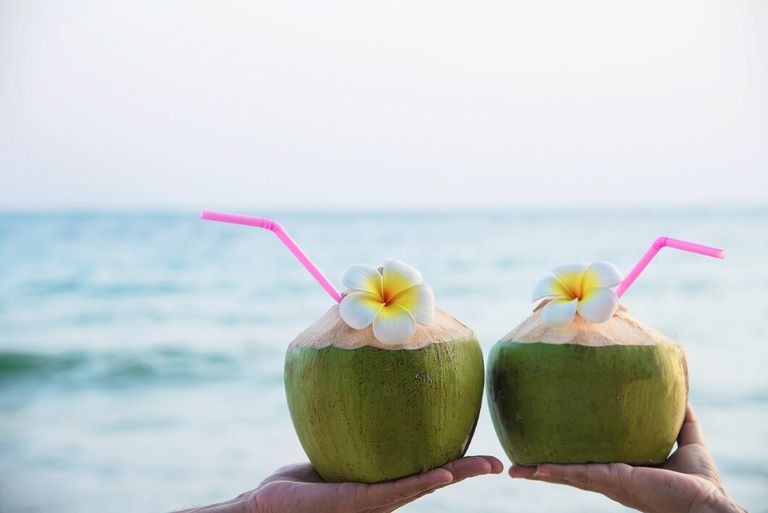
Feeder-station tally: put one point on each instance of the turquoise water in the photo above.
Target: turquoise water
(141, 354)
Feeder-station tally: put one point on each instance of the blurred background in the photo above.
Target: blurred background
(141, 349)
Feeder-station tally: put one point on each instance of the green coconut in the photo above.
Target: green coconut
(368, 412)
(587, 393)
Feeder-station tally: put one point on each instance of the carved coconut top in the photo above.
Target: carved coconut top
(621, 329)
(331, 330)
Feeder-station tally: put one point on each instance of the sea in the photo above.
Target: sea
(141, 353)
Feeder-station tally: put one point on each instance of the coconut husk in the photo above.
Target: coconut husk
(621, 329)
(331, 330)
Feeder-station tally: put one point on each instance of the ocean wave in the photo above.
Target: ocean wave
(101, 290)
(129, 369)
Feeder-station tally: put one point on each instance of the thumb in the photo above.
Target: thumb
(690, 432)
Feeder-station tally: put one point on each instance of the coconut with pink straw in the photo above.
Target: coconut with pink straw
(581, 380)
(383, 385)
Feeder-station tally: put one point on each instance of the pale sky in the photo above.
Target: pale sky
(361, 104)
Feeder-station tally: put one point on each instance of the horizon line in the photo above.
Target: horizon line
(479, 209)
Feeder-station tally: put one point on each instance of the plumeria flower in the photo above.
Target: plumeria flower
(582, 288)
(393, 300)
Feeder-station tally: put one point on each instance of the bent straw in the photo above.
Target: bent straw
(659, 243)
(274, 227)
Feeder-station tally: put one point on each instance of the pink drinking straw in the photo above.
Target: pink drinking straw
(274, 226)
(659, 243)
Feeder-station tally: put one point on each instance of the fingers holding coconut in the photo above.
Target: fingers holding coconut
(461, 469)
(472, 466)
(596, 477)
(690, 433)
(531, 472)
(522, 471)
(497, 467)
(601, 478)
(401, 490)
(450, 473)
(301, 472)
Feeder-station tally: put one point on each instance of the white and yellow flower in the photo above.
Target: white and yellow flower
(393, 300)
(582, 288)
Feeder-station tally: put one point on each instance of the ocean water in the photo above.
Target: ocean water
(141, 353)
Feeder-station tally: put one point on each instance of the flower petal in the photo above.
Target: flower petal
(365, 278)
(399, 276)
(358, 309)
(570, 276)
(419, 301)
(548, 287)
(598, 305)
(393, 324)
(559, 312)
(600, 274)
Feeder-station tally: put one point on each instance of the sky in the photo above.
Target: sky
(415, 104)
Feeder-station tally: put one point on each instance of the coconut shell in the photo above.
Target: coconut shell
(366, 411)
(621, 329)
(330, 330)
(587, 393)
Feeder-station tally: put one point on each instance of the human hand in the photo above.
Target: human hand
(688, 482)
(299, 489)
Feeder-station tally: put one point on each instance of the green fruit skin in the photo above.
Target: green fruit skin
(371, 415)
(569, 403)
